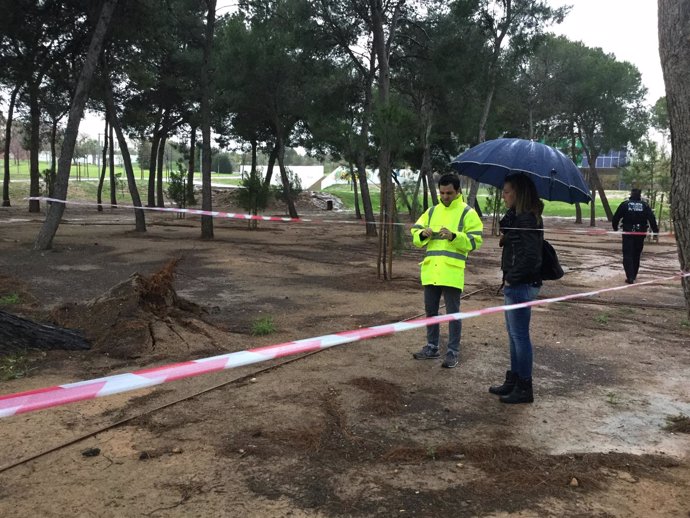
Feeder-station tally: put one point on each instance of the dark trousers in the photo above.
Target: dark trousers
(632, 250)
(432, 301)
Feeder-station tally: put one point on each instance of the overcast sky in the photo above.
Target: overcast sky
(625, 28)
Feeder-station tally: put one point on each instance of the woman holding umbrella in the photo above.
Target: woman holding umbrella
(522, 242)
(526, 170)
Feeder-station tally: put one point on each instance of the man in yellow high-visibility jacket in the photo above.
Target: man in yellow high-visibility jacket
(449, 231)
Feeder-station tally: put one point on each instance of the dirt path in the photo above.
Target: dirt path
(362, 429)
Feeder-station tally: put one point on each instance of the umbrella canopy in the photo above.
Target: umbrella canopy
(556, 177)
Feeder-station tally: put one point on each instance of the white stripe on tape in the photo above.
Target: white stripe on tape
(58, 395)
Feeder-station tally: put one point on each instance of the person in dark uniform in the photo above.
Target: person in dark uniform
(636, 216)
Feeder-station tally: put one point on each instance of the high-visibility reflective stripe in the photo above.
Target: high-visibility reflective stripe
(445, 253)
(417, 226)
(462, 218)
(431, 213)
(476, 233)
(470, 236)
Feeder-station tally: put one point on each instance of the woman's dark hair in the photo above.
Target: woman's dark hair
(526, 197)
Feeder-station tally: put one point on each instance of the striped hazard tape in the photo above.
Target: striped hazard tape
(251, 217)
(48, 397)
(213, 213)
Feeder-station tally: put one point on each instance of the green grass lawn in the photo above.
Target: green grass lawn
(551, 208)
(83, 184)
(20, 171)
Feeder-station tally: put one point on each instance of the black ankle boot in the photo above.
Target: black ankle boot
(507, 387)
(522, 393)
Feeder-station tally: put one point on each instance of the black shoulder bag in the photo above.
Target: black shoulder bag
(550, 267)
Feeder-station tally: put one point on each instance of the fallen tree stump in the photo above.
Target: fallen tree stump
(19, 334)
(143, 317)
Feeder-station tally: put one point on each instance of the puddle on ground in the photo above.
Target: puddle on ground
(632, 425)
(641, 429)
(77, 267)
(14, 220)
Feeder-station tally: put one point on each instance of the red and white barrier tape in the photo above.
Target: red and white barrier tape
(23, 402)
(214, 213)
(592, 231)
(248, 217)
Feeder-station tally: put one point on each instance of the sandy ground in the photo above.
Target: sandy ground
(358, 430)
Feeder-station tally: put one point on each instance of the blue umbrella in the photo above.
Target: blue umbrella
(556, 177)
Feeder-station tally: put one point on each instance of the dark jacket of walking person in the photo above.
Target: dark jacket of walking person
(636, 216)
(522, 243)
(449, 231)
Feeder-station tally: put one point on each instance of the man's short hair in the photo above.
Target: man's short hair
(450, 179)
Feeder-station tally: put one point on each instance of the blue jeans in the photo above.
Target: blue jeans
(432, 299)
(517, 324)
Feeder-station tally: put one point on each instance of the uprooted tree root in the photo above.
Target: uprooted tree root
(157, 291)
(140, 317)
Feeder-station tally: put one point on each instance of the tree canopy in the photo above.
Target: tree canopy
(371, 84)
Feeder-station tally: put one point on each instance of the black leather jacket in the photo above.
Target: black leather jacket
(522, 249)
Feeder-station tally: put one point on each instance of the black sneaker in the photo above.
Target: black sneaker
(450, 362)
(629, 281)
(428, 352)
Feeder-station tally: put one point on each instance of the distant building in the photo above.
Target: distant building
(611, 160)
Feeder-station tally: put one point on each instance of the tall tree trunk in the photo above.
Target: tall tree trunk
(287, 189)
(139, 217)
(153, 160)
(35, 140)
(573, 156)
(361, 157)
(191, 167)
(415, 197)
(531, 119)
(104, 167)
(594, 180)
(426, 150)
(160, 201)
(674, 49)
(255, 146)
(8, 140)
(490, 90)
(53, 158)
(488, 101)
(366, 196)
(113, 181)
(44, 240)
(406, 200)
(206, 200)
(271, 164)
(353, 176)
(385, 259)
